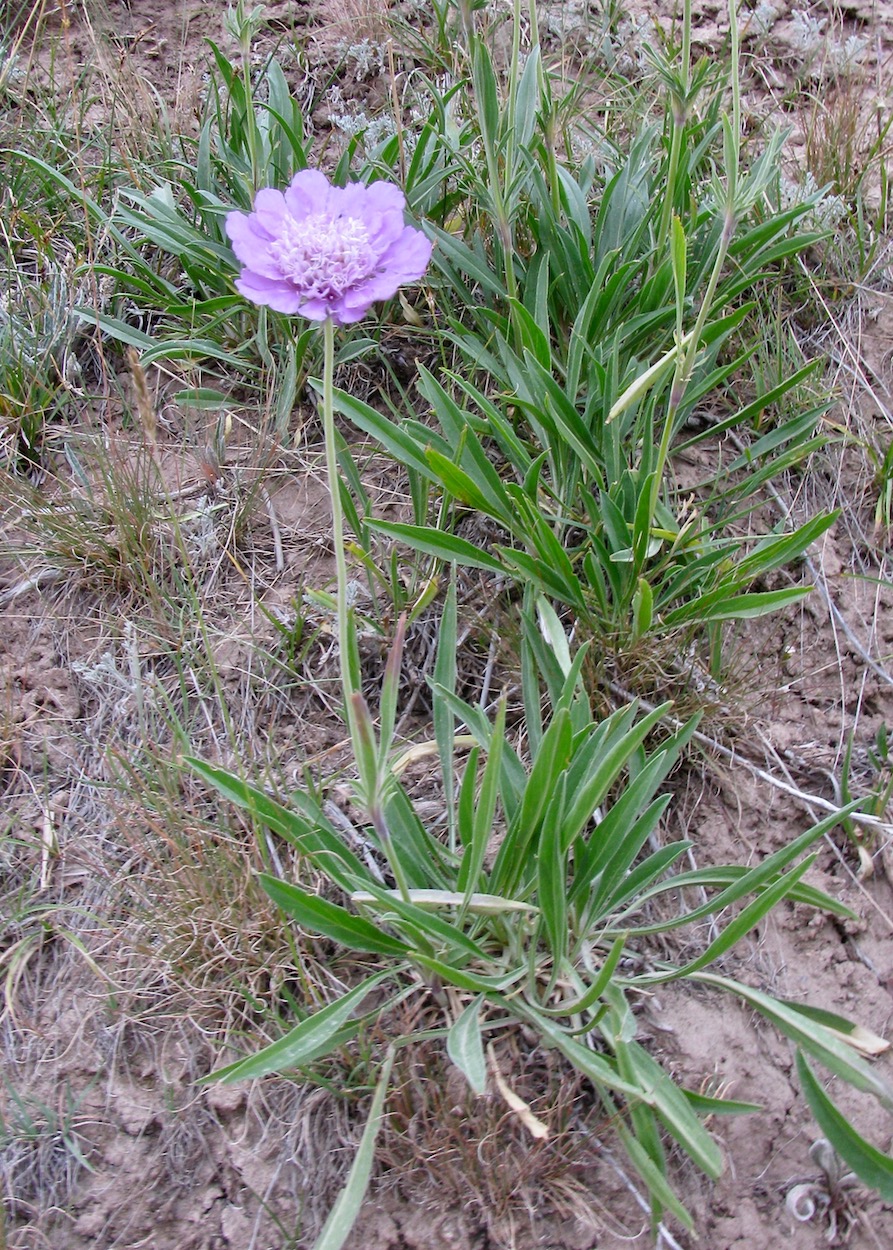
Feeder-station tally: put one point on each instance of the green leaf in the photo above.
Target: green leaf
(565, 416)
(188, 349)
(473, 982)
(461, 485)
(422, 858)
(606, 770)
(320, 916)
(737, 608)
(551, 863)
(401, 444)
(553, 632)
(445, 671)
(533, 337)
(869, 1164)
(860, 1038)
(466, 1049)
(598, 1068)
(343, 1215)
(675, 1111)
(470, 878)
(310, 833)
(752, 880)
(705, 1105)
(486, 93)
(311, 1039)
(98, 214)
(202, 397)
(116, 328)
(528, 97)
(478, 904)
(678, 257)
(774, 551)
(600, 984)
(519, 844)
(748, 918)
(658, 1185)
(453, 250)
(727, 874)
(446, 547)
(823, 1044)
(643, 609)
(422, 916)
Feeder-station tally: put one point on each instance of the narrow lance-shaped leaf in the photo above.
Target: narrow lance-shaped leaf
(675, 1111)
(343, 1215)
(823, 1044)
(311, 1039)
(466, 1048)
(446, 547)
(552, 876)
(469, 878)
(312, 836)
(445, 669)
(869, 1164)
(318, 915)
(747, 919)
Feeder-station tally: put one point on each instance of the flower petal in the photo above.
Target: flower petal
(408, 256)
(368, 203)
(343, 316)
(360, 298)
(385, 197)
(307, 193)
(251, 243)
(317, 310)
(270, 209)
(280, 296)
(384, 229)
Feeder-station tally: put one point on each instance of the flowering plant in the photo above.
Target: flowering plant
(326, 252)
(329, 253)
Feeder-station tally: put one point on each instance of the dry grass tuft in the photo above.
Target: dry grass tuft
(476, 1153)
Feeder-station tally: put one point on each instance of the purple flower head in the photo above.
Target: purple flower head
(324, 251)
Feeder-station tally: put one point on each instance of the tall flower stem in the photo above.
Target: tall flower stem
(359, 722)
(348, 685)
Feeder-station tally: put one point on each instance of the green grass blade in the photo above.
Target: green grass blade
(343, 1215)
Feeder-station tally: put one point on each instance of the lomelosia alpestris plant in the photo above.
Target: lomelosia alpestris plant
(535, 907)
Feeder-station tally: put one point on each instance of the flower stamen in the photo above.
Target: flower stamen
(324, 256)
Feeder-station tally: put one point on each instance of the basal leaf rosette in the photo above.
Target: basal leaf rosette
(325, 252)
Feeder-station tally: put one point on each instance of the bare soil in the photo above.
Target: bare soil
(103, 1047)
